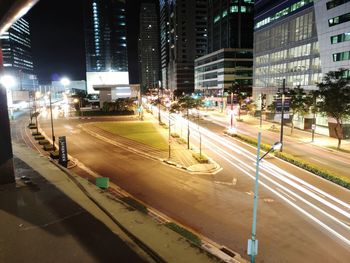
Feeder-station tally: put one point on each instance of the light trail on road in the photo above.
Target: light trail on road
(245, 162)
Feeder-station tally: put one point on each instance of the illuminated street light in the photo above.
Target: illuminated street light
(65, 81)
(8, 81)
(37, 95)
(52, 132)
(252, 249)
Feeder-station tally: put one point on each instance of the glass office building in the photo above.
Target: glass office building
(17, 56)
(285, 46)
(230, 48)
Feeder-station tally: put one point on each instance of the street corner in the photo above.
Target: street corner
(207, 168)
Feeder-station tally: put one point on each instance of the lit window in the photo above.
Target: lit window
(234, 9)
(243, 9)
(217, 18)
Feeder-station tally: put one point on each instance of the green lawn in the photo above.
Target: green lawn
(143, 132)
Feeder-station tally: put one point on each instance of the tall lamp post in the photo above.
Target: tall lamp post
(253, 243)
(36, 96)
(52, 132)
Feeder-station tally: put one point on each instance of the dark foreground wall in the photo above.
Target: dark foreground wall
(6, 163)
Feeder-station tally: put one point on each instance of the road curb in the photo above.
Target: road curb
(222, 252)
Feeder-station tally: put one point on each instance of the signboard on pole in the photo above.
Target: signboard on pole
(63, 156)
(279, 104)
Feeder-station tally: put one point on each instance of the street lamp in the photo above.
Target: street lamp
(252, 249)
(36, 96)
(52, 132)
(8, 82)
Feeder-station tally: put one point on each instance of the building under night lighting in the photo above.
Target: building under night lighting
(148, 46)
(183, 30)
(105, 43)
(17, 57)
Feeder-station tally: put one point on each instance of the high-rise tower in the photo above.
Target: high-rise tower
(17, 57)
(149, 56)
(183, 39)
(105, 43)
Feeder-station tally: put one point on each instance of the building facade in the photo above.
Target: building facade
(230, 47)
(230, 24)
(299, 41)
(105, 43)
(333, 30)
(17, 56)
(286, 46)
(183, 39)
(218, 70)
(149, 55)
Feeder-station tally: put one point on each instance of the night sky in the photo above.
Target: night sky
(57, 34)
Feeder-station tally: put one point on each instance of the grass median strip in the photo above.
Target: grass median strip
(143, 132)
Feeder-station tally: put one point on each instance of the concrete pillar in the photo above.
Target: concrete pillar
(7, 174)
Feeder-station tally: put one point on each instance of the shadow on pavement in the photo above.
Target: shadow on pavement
(39, 223)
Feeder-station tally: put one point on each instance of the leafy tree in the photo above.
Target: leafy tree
(299, 103)
(334, 92)
(239, 95)
(186, 103)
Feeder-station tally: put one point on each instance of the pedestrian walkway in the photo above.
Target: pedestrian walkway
(53, 215)
(46, 218)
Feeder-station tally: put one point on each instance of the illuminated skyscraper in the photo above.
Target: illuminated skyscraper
(183, 37)
(149, 45)
(17, 57)
(105, 42)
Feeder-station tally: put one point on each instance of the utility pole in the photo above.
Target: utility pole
(53, 135)
(262, 97)
(169, 136)
(282, 112)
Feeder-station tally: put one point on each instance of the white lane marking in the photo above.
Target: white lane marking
(250, 156)
(280, 190)
(279, 185)
(329, 229)
(334, 158)
(317, 160)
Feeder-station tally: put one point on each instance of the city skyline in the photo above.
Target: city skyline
(62, 53)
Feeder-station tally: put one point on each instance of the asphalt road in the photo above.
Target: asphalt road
(325, 158)
(297, 222)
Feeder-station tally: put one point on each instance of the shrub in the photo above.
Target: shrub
(201, 158)
(36, 133)
(44, 142)
(181, 141)
(32, 127)
(175, 135)
(39, 137)
(185, 233)
(54, 154)
(31, 124)
(135, 204)
(48, 147)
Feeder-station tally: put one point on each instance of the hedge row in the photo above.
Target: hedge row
(185, 233)
(342, 181)
(135, 204)
(201, 158)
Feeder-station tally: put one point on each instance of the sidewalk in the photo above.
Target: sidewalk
(47, 217)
